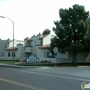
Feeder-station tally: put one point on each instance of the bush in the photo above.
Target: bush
(45, 61)
(49, 61)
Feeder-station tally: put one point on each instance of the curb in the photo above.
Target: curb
(71, 66)
(11, 65)
(16, 66)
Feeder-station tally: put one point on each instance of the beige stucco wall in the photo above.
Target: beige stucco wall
(64, 56)
(10, 58)
(18, 53)
(33, 43)
(2, 47)
(81, 57)
(38, 42)
(61, 58)
(27, 43)
(47, 39)
(4, 54)
(40, 54)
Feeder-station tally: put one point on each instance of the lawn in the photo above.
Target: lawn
(42, 64)
(51, 65)
(8, 61)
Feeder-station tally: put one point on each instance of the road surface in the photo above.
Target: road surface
(43, 78)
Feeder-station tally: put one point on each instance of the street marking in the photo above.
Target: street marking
(40, 68)
(43, 67)
(52, 75)
(21, 84)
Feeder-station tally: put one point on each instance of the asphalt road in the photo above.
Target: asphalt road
(43, 78)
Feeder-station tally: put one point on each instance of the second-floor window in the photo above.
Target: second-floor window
(41, 42)
(30, 44)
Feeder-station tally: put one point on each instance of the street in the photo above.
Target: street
(43, 78)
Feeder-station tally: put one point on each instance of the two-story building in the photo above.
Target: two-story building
(37, 45)
(6, 49)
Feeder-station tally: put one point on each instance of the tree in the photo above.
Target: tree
(87, 41)
(26, 38)
(70, 30)
(46, 31)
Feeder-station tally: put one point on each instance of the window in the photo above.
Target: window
(8, 54)
(13, 53)
(45, 55)
(49, 55)
(30, 44)
(41, 42)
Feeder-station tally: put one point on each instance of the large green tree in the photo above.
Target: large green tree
(70, 30)
(46, 31)
(87, 40)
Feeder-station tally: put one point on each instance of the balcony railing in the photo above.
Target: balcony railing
(28, 49)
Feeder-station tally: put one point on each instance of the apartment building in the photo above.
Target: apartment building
(36, 45)
(32, 44)
(6, 49)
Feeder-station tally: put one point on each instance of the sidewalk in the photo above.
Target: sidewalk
(11, 65)
(71, 66)
(17, 66)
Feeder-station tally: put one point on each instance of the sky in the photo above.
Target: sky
(31, 16)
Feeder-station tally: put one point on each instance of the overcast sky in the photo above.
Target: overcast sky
(32, 16)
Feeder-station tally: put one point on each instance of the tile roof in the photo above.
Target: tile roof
(29, 40)
(45, 46)
(43, 36)
(11, 48)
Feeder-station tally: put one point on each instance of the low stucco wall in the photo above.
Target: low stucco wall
(81, 58)
(63, 60)
(48, 59)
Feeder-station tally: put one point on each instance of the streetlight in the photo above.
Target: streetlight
(13, 34)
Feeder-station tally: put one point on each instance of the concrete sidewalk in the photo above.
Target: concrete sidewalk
(17, 66)
(70, 66)
(10, 65)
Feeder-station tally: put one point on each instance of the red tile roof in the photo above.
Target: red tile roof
(11, 48)
(29, 40)
(43, 36)
(45, 46)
